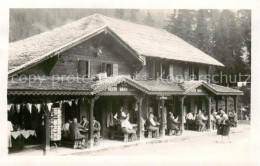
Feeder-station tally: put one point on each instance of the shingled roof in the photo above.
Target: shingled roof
(144, 40)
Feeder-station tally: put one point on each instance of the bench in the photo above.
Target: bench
(116, 132)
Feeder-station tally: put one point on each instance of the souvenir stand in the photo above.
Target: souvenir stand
(55, 125)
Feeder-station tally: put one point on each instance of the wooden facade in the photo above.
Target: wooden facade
(105, 52)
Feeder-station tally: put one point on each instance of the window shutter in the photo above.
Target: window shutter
(82, 68)
(115, 69)
(88, 69)
(171, 70)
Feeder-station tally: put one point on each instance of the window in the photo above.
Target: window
(84, 69)
(165, 70)
(193, 73)
(110, 68)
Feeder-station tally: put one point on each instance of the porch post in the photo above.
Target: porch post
(181, 113)
(140, 101)
(162, 129)
(91, 121)
(139, 133)
(226, 106)
(235, 103)
(216, 100)
(209, 111)
(47, 132)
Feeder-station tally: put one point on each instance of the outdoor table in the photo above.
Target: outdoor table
(20, 136)
(25, 133)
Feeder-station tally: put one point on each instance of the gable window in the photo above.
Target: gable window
(84, 69)
(110, 68)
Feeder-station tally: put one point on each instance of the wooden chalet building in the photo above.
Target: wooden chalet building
(64, 64)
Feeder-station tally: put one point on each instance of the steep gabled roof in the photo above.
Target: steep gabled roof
(144, 40)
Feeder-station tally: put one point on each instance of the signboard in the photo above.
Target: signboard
(163, 97)
(121, 88)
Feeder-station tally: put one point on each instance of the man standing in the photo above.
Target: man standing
(199, 121)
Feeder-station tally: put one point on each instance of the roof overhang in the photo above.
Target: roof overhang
(71, 44)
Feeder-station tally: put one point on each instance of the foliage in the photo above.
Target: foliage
(223, 34)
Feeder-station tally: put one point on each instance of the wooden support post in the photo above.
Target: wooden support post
(209, 112)
(235, 103)
(47, 132)
(173, 104)
(181, 113)
(91, 121)
(140, 101)
(162, 129)
(216, 103)
(139, 133)
(226, 105)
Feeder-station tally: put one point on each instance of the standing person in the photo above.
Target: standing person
(75, 134)
(9, 129)
(224, 128)
(120, 115)
(199, 121)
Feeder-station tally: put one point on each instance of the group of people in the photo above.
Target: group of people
(224, 123)
(200, 118)
(171, 124)
(122, 119)
(78, 132)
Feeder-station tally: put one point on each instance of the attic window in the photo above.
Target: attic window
(84, 69)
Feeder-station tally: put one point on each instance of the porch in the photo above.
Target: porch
(98, 99)
(107, 144)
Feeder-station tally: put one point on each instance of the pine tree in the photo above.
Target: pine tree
(203, 32)
(228, 44)
(181, 23)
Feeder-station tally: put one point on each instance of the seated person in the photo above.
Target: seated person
(190, 118)
(76, 135)
(178, 119)
(66, 129)
(199, 121)
(84, 122)
(128, 128)
(96, 130)
(152, 125)
(172, 123)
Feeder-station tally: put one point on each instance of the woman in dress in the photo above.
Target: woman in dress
(224, 128)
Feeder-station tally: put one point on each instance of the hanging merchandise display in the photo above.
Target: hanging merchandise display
(55, 124)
